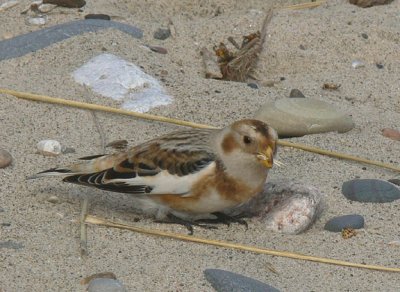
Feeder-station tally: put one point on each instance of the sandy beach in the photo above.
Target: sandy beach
(303, 49)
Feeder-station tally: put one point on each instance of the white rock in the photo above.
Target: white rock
(41, 20)
(284, 206)
(118, 79)
(49, 147)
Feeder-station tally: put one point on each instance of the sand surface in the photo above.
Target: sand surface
(331, 36)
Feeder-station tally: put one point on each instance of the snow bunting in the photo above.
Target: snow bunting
(188, 174)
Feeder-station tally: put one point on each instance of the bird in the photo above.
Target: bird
(188, 175)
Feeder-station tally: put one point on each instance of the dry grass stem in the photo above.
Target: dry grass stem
(103, 222)
(88, 106)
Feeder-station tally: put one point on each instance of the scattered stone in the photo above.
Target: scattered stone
(157, 49)
(49, 147)
(364, 35)
(284, 206)
(395, 181)
(1, 209)
(162, 34)
(66, 3)
(302, 47)
(391, 133)
(39, 39)
(370, 190)
(106, 285)
(53, 199)
(252, 85)
(46, 8)
(295, 93)
(379, 66)
(369, 3)
(11, 244)
(39, 20)
(357, 64)
(224, 281)
(303, 116)
(337, 224)
(7, 5)
(5, 158)
(104, 275)
(98, 16)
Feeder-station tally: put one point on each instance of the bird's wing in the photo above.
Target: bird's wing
(165, 165)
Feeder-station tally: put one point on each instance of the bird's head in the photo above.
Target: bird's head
(250, 139)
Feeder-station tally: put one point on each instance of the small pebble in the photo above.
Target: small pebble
(357, 64)
(337, 224)
(162, 33)
(224, 281)
(370, 190)
(46, 8)
(295, 93)
(49, 147)
(53, 199)
(40, 20)
(252, 85)
(98, 16)
(364, 35)
(5, 158)
(159, 50)
(379, 65)
(302, 47)
(106, 285)
(391, 133)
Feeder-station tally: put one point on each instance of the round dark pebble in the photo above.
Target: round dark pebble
(302, 47)
(252, 85)
(282, 78)
(337, 224)
(98, 16)
(224, 281)
(379, 66)
(364, 35)
(162, 34)
(295, 93)
(370, 190)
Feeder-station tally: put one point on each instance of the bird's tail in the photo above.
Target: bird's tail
(90, 164)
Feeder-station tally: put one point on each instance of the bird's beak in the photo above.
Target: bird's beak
(267, 157)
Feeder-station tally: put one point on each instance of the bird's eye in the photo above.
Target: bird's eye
(246, 140)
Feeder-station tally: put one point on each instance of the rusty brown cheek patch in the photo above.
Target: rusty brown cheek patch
(229, 144)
